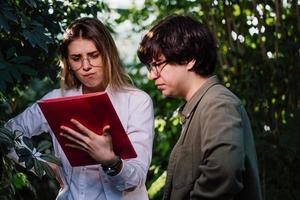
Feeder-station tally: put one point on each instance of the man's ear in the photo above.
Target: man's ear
(190, 65)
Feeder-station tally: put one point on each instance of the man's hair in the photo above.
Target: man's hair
(94, 30)
(180, 39)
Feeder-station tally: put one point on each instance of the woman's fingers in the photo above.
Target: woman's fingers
(106, 130)
(75, 137)
(76, 147)
(97, 146)
(76, 140)
(82, 128)
(72, 133)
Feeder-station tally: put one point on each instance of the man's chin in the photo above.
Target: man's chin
(169, 95)
(166, 94)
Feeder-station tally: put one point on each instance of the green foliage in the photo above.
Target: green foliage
(27, 153)
(12, 180)
(258, 56)
(157, 185)
(30, 32)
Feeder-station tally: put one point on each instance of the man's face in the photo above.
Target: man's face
(168, 77)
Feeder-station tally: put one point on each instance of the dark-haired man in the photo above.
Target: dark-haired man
(215, 156)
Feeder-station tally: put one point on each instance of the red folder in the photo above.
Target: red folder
(94, 111)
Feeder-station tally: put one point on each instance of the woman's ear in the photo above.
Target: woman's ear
(190, 65)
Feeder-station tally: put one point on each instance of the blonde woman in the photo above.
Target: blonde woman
(90, 63)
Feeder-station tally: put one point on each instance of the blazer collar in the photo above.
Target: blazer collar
(186, 110)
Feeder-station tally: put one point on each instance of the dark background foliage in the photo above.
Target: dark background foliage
(258, 56)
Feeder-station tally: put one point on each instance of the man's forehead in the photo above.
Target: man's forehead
(159, 59)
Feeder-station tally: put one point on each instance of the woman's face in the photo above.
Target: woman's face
(86, 62)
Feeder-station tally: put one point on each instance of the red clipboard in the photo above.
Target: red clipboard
(94, 111)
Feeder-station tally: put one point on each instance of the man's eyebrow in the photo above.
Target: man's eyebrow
(156, 62)
(159, 62)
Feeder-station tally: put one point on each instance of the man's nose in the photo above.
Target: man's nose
(153, 75)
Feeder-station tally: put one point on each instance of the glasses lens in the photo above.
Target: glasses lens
(94, 60)
(74, 62)
(157, 66)
(149, 67)
(77, 62)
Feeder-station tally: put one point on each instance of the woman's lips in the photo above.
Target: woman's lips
(88, 75)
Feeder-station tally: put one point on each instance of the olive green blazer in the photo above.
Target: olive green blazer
(215, 156)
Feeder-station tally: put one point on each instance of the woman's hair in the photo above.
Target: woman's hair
(180, 39)
(94, 30)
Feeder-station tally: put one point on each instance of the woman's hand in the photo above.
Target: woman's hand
(99, 147)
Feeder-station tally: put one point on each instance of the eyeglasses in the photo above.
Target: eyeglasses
(157, 67)
(93, 58)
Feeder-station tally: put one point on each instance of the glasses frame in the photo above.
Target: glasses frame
(88, 58)
(157, 67)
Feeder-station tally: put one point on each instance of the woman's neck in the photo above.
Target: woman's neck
(86, 90)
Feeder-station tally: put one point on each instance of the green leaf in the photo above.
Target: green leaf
(29, 162)
(15, 74)
(48, 170)
(9, 14)
(17, 134)
(28, 142)
(36, 24)
(44, 145)
(157, 185)
(25, 69)
(6, 139)
(7, 132)
(21, 59)
(28, 36)
(50, 158)
(6, 142)
(3, 86)
(3, 63)
(5, 77)
(3, 23)
(41, 39)
(237, 10)
(38, 168)
(22, 158)
(10, 52)
(37, 37)
(20, 180)
(23, 152)
(31, 3)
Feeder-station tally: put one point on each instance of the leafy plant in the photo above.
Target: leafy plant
(32, 157)
(258, 58)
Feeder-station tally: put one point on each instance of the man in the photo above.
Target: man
(215, 156)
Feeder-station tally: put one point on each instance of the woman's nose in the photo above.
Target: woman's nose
(86, 64)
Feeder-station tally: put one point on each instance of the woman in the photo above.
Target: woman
(90, 63)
